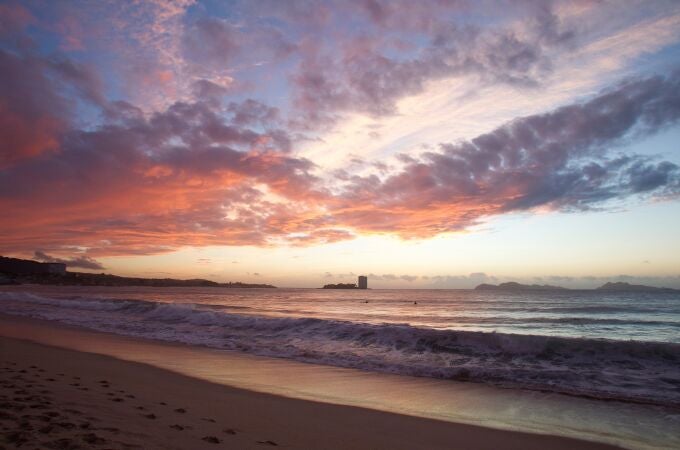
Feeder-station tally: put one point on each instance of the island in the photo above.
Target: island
(24, 271)
(341, 286)
(607, 287)
(513, 286)
(627, 287)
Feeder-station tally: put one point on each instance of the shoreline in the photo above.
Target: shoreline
(156, 408)
(287, 422)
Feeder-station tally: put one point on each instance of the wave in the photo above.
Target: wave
(622, 370)
(595, 309)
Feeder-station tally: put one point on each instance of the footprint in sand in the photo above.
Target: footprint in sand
(63, 443)
(180, 410)
(92, 438)
(46, 429)
(150, 416)
(229, 431)
(272, 443)
(211, 439)
(66, 425)
(18, 437)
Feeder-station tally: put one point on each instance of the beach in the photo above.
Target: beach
(63, 398)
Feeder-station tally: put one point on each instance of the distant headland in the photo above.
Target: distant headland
(25, 271)
(607, 287)
(627, 287)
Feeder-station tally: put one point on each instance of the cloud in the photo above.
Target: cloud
(82, 262)
(215, 43)
(560, 160)
(14, 18)
(205, 166)
(460, 281)
(409, 278)
(33, 113)
(201, 178)
(212, 40)
(389, 277)
(362, 74)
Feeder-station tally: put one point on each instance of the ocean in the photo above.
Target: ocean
(615, 346)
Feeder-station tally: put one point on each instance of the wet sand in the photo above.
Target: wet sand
(59, 398)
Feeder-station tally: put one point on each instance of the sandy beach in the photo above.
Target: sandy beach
(60, 398)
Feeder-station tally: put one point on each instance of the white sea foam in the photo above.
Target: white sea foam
(616, 369)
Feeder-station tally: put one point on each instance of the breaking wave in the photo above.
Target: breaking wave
(623, 370)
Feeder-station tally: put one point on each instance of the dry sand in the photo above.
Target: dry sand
(57, 398)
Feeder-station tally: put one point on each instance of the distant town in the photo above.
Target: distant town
(26, 271)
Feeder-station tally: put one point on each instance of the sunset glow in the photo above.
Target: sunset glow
(428, 144)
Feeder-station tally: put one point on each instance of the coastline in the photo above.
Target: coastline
(298, 422)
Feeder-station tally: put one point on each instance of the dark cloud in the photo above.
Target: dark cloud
(212, 41)
(362, 74)
(218, 43)
(198, 177)
(252, 112)
(207, 90)
(194, 174)
(559, 160)
(81, 262)
(38, 99)
(216, 171)
(13, 18)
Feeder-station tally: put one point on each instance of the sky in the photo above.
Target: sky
(430, 144)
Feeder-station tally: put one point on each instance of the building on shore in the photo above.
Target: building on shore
(363, 282)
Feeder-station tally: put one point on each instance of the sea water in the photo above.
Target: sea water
(615, 346)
